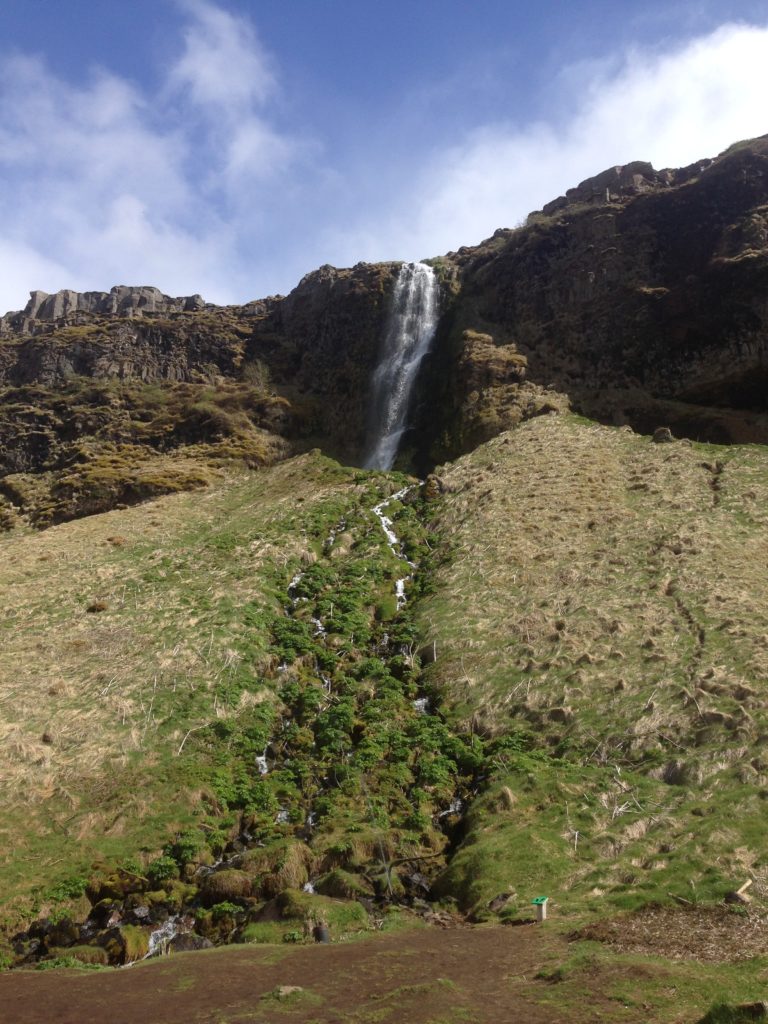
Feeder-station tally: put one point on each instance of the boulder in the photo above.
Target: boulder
(186, 942)
(225, 886)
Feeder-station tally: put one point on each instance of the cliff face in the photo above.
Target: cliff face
(321, 344)
(44, 311)
(639, 297)
(318, 345)
(642, 296)
(109, 398)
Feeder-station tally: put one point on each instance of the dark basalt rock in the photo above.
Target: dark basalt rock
(185, 942)
(638, 298)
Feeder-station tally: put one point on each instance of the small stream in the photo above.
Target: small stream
(394, 542)
(179, 923)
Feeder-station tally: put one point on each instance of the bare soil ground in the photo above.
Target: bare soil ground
(711, 934)
(427, 976)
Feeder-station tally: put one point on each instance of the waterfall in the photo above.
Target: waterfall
(410, 329)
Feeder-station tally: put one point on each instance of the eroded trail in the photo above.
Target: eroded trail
(457, 974)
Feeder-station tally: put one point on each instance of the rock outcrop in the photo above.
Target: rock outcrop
(44, 311)
(639, 297)
(622, 182)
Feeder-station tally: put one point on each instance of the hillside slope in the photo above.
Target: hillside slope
(135, 652)
(210, 702)
(603, 602)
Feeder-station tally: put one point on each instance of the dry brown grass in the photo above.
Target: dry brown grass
(603, 589)
(116, 635)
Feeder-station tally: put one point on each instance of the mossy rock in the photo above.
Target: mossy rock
(265, 931)
(216, 928)
(156, 898)
(177, 893)
(63, 933)
(344, 885)
(356, 850)
(226, 885)
(279, 866)
(124, 945)
(114, 886)
(388, 884)
(341, 916)
(85, 954)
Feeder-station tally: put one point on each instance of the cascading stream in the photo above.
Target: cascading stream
(410, 330)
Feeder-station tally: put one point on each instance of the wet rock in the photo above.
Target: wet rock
(417, 882)
(186, 942)
(141, 914)
(106, 914)
(662, 435)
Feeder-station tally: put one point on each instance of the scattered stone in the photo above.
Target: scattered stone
(499, 902)
(286, 991)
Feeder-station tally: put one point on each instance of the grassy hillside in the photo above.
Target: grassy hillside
(570, 702)
(125, 637)
(603, 602)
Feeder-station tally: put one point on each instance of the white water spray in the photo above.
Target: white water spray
(410, 330)
(161, 937)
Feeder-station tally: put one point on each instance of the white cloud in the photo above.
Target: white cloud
(223, 65)
(103, 183)
(21, 265)
(203, 187)
(670, 108)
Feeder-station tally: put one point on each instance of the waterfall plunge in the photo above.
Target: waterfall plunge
(410, 329)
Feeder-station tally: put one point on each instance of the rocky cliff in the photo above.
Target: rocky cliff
(640, 295)
(43, 312)
(638, 298)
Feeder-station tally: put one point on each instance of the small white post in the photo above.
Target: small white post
(541, 908)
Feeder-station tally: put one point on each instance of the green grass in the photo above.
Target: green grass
(649, 988)
(597, 599)
(126, 695)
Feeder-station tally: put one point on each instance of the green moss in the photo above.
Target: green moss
(265, 932)
(88, 955)
(341, 917)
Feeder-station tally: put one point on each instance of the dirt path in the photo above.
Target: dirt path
(416, 977)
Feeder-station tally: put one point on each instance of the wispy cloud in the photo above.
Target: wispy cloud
(205, 186)
(670, 108)
(104, 183)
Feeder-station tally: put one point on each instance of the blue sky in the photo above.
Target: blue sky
(229, 147)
